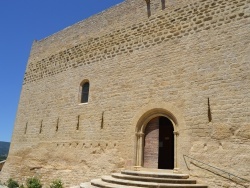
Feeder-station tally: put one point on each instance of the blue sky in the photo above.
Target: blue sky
(22, 22)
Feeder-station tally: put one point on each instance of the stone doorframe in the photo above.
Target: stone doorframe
(141, 120)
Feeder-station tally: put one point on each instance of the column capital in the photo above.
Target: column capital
(176, 133)
(140, 134)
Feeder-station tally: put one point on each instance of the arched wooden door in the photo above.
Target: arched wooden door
(159, 144)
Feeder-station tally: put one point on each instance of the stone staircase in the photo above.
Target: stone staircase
(132, 179)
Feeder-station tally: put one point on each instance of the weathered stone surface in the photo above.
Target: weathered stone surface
(221, 132)
(243, 131)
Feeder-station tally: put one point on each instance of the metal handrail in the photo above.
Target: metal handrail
(229, 174)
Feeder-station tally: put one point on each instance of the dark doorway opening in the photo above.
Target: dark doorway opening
(166, 144)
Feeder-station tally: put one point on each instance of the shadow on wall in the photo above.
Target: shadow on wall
(216, 171)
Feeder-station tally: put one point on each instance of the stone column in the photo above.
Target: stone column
(141, 140)
(137, 149)
(176, 169)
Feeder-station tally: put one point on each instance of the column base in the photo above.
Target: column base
(137, 168)
(176, 171)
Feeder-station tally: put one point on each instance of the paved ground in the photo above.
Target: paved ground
(1, 186)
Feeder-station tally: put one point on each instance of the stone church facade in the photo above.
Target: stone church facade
(145, 83)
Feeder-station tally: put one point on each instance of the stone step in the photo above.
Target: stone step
(144, 179)
(112, 180)
(155, 174)
(153, 179)
(100, 183)
(87, 185)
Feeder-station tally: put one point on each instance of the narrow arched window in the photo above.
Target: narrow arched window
(85, 92)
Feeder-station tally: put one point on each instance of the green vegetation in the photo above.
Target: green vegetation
(56, 184)
(12, 183)
(33, 183)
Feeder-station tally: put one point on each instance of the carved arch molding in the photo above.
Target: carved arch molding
(141, 120)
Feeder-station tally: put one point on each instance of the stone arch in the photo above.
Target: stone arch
(141, 120)
(152, 113)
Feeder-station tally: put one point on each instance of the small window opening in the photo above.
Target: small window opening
(209, 111)
(163, 4)
(102, 122)
(57, 124)
(148, 7)
(78, 122)
(41, 127)
(26, 127)
(85, 92)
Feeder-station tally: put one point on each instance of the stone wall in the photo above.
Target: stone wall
(175, 24)
(183, 54)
